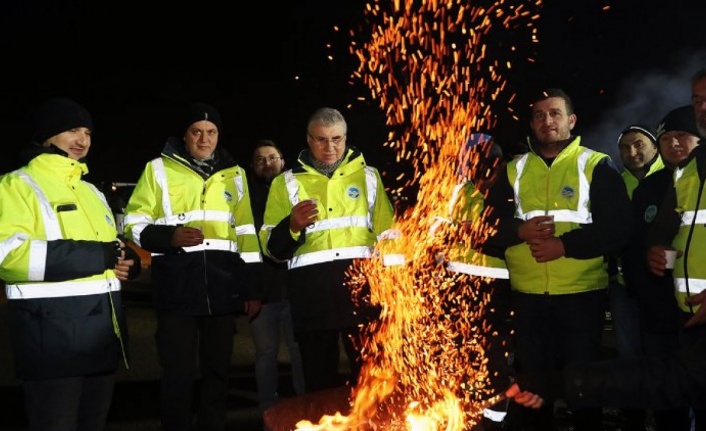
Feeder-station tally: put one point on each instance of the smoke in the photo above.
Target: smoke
(645, 98)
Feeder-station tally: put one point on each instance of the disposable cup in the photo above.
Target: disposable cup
(671, 256)
(548, 222)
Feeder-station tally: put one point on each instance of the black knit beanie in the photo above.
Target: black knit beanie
(202, 111)
(59, 115)
(681, 119)
(640, 129)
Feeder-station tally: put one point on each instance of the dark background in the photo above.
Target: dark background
(264, 65)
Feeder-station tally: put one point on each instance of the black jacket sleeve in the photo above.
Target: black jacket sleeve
(281, 245)
(158, 239)
(500, 202)
(612, 216)
(69, 259)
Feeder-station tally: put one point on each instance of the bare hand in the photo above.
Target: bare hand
(186, 237)
(252, 308)
(122, 268)
(536, 228)
(303, 214)
(524, 398)
(656, 259)
(546, 249)
(699, 316)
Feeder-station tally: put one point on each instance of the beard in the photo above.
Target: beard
(269, 173)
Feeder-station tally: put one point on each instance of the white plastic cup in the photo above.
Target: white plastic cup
(671, 256)
(548, 222)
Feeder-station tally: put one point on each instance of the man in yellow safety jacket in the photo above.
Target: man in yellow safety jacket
(562, 208)
(191, 210)
(320, 216)
(62, 264)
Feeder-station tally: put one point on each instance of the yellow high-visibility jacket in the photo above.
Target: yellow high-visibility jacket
(690, 268)
(65, 306)
(561, 190)
(354, 210)
(217, 276)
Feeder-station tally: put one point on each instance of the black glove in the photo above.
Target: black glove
(111, 254)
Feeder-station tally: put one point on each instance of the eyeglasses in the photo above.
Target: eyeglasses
(697, 101)
(323, 140)
(262, 160)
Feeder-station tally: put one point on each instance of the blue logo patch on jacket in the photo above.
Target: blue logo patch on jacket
(567, 192)
(228, 196)
(353, 192)
(650, 213)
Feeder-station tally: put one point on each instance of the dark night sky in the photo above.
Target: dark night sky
(134, 65)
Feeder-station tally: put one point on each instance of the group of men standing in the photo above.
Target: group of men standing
(561, 212)
(655, 306)
(191, 209)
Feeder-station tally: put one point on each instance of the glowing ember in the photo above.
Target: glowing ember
(427, 65)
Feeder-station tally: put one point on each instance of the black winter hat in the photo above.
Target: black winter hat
(59, 115)
(200, 111)
(681, 119)
(638, 128)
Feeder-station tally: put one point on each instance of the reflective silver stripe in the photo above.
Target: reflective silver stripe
(100, 195)
(251, 257)
(330, 255)
(139, 222)
(238, 180)
(687, 218)
(11, 244)
(336, 223)
(210, 244)
(480, 271)
(292, 185)
(455, 194)
(393, 259)
(61, 289)
(197, 216)
(438, 222)
(494, 415)
(245, 229)
(696, 285)
(160, 176)
(52, 229)
(371, 184)
(581, 215)
(37, 260)
(390, 234)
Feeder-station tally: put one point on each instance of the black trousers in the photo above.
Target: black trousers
(321, 357)
(188, 347)
(69, 404)
(552, 331)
